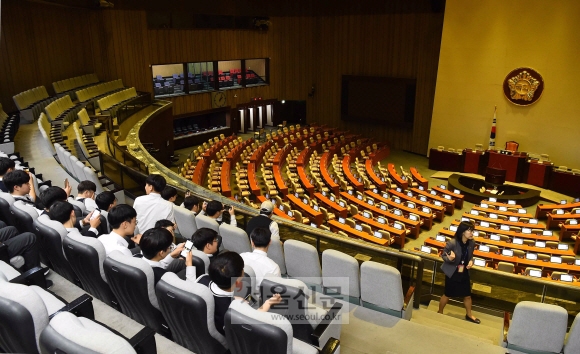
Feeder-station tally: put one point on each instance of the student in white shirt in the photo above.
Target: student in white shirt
(64, 213)
(215, 210)
(191, 203)
(122, 219)
(105, 202)
(6, 165)
(18, 183)
(169, 193)
(258, 259)
(86, 195)
(155, 246)
(151, 207)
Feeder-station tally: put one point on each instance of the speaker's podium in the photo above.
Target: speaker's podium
(495, 175)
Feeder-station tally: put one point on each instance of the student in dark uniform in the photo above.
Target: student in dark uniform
(458, 259)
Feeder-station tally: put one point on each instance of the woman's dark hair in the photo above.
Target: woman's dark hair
(157, 182)
(261, 237)
(119, 214)
(15, 178)
(190, 202)
(226, 269)
(60, 211)
(202, 237)
(105, 199)
(155, 240)
(51, 195)
(463, 226)
(168, 193)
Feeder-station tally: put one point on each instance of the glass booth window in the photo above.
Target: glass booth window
(168, 80)
(230, 73)
(200, 76)
(256, 72)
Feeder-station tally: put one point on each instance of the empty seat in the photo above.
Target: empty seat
(205, 221)
(302, 262)
(536, 328)
(185, 220)
(234, 238)
(341, 275)
(382, 290)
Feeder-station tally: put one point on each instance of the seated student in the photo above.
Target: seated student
(50, 196)
(224, 274)
(152, 207)
(6, 165)
(122, 219)
(171, 265)
(215, 209)
(86, 195)
(207, 241)
(20, 244)
(191, 203)
(105, 201)
(18, 184)
(169, 193)
(155, 246)
(64, 213)
(258, 259)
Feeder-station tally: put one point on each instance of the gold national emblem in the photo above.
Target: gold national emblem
(523, 86)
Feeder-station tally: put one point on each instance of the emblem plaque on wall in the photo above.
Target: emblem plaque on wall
(523, 86)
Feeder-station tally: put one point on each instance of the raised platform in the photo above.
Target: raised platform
(471, 188)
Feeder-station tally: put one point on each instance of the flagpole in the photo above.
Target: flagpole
(493, 127)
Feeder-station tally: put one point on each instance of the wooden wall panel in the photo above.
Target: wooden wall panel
(127, 49)
(41, 44)
(399, 45)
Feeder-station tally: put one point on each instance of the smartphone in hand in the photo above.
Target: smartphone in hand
(187, 248)
(95, 215)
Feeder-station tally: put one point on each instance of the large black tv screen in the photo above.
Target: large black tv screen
(388, 100)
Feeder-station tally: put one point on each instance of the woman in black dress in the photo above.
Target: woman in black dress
(458, 259)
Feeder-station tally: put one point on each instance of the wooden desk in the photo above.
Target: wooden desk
(521, 262)
(305, 181)
(277, 211)
(324, 161)
(439, 211)
(539, 225)
(418, 178)
(427, 218)
(554, 220)
(513, 164)
(199, 172)
(413, 226)
(398, 235)
(377, 181)
(566, 183)
(566, 231)
(491, 230)
(349, 176)
(445, 161)
(499, 204)
(473, 161)
(539, 173)
(225, 179)
(506, 213)
(542, 210)
(332, 206)
(282, 187)
(396, 178)
(315, 216)
(509, 245)
(448, 203)
(252, 180)
(336, 226)
(458, 198)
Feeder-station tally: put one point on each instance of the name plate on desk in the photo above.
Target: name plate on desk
(426, 249)
(513, 219)
(484, 224)
(540, 244)
(535, 273)
(484, 248)
(440, 238)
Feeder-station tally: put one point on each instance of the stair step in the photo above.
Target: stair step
(451, 325)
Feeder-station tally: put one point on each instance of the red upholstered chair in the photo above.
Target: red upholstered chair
(512, 146)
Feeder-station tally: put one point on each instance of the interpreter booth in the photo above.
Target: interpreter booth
(255, 115)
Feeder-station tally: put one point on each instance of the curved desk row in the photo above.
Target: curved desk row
(427, 218)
